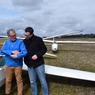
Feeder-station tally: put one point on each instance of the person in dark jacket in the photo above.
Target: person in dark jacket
(34, 60)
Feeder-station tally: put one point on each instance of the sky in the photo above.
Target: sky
(48, 17)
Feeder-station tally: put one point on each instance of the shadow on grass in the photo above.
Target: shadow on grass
(56, 85)
(70, 81)
(2, 90)
(14, 85)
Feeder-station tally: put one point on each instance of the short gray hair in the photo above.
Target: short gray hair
(10, 30)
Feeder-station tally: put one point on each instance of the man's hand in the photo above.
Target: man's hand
(14, 56)
(34, 57)
(15, 52)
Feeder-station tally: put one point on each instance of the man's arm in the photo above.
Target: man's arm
(5, 50)
(42, 49)
(23, 50)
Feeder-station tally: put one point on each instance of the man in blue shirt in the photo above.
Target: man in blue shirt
(14, 50)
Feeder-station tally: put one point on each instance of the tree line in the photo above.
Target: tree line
(92, 35)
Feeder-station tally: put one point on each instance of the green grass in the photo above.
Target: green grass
(75, 56)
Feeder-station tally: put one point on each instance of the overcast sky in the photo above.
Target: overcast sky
(48, 17)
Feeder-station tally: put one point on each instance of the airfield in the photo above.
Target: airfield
(74, 56)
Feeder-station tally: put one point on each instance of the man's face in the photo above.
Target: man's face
(27, 35)
(12, 36)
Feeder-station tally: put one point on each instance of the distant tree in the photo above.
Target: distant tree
(79, 36)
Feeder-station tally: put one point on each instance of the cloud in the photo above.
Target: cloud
(48, 17)
(28, 5)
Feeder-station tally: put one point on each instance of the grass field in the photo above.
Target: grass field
(75, 56)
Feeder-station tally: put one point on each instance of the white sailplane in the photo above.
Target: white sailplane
(59, 71)
(2, 74)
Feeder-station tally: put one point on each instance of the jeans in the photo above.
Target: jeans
(40, 72)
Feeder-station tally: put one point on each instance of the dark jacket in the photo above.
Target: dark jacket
(34, 45)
